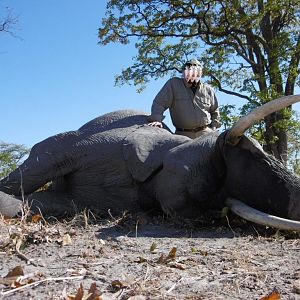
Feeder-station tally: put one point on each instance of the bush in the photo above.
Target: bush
(11, 156)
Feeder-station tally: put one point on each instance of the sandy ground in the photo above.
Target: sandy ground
(137, 257)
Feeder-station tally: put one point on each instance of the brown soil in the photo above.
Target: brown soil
(138, 257)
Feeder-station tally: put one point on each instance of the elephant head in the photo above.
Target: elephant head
(215, 169)
(255, 177)
(117, 161)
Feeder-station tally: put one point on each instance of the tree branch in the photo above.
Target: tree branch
(221, 89)
(7, 23)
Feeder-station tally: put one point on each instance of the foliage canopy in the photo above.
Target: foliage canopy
(250, 49)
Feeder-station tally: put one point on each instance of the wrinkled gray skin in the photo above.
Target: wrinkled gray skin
(117, 162)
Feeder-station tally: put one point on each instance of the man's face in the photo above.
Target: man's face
(192, 73)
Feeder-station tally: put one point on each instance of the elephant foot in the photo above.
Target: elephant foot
(10, 206)
(52, 204)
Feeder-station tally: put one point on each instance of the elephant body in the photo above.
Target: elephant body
(117, 162)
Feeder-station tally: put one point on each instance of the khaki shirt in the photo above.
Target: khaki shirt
(187, 110)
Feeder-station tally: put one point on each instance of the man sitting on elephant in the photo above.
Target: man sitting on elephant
(193, 104)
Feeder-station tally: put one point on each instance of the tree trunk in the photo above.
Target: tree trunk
(276, 138)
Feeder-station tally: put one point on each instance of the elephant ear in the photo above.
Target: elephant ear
(144, 150)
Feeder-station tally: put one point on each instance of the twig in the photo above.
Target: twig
(114, 219)
(258, 235)
(118, 221)
(22, 255)
(42, 215)
(230, 226)
(147, 273)
(39, 282)
(136, 228)
(173, 286)
(18, 279)
(26, 276)
(86, 219)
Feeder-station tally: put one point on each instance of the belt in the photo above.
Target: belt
(191, 129)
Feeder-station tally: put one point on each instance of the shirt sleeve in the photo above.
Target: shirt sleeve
(161, 102)
(214, 112)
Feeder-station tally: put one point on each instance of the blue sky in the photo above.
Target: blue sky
(56, 77)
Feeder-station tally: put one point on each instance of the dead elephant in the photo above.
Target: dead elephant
(117, 162)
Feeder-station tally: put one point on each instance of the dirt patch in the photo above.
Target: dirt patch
(146, 258)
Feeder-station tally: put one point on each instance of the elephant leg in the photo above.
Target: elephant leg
(177, 203)
(48, 203)
(174, 198)
(146, 197)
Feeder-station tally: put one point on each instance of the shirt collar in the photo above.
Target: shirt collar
(187, 85)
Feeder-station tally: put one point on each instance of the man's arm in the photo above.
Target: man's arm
(161, 102)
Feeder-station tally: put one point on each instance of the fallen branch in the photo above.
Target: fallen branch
(39, 282)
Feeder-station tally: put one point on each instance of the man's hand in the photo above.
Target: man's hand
(155, 124)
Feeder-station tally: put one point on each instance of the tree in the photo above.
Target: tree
(294, 147)
(11, 155)
(251, 48)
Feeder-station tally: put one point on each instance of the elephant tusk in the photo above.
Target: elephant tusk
(234, 134)
(256, 216)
